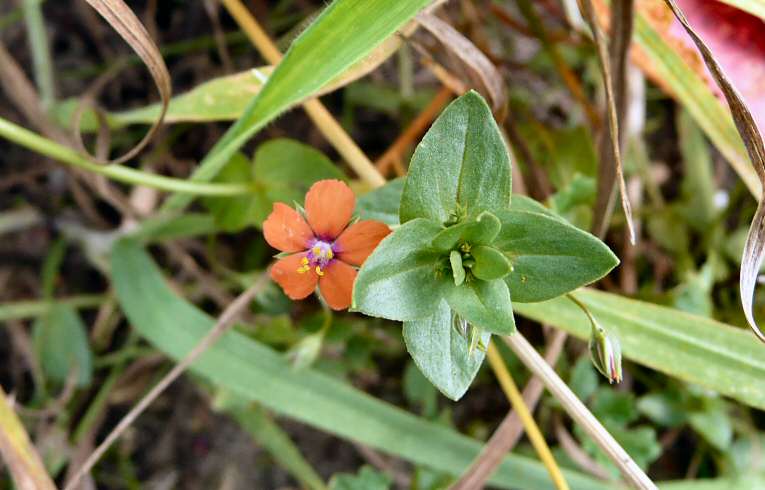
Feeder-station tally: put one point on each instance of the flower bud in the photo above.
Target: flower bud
(606, 353)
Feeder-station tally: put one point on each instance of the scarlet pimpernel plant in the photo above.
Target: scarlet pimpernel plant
(466, 249)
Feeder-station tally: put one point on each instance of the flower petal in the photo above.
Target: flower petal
(337, 284)
(329, 206)
(295, 284)
(286, 230)
(356, 243)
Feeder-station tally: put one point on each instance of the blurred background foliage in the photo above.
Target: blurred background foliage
(73, 364)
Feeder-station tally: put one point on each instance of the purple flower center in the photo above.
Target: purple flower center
(320, 255)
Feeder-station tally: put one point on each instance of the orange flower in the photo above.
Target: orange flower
(325, 250)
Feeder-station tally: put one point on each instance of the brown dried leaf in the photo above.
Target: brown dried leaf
(470, 56)
(613, 117)
(16, 449)
(754, 250)
(127, 25)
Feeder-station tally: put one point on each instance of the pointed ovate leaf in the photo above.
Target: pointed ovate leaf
(442, 353)
(400, 280)
(549, 256)
(490, 263)
(455, 259)
(481, 230)
(382, 203)
(461, 165)
(61, 344)
(484, 304)
(525, 203)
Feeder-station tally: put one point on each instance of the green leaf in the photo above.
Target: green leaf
(480, 231)
(382, 203)
(399, 280)
(461, 166)
(549, 256)
(490, 263)
(267, 433)
(485, 304)
(235, 213)
(584, 379)
(284, 171)
(367, 479)
(61, 344)
(257, 373)
(442, 353)
(342, 35)
(688, 347)
(525, 203)
(458, 271)
(713, 423)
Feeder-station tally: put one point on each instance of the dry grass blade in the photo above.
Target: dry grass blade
(754, 251)
(225, 321)
(127, 25)
(611, 109)
(471, 56)
(24, 463)
(622, 22)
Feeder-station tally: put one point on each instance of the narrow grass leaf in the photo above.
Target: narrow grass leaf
(342, 35)
(257, 373)
(688, 347)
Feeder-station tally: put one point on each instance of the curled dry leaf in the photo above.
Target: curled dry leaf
(754, 250)
(127, 25)
(480, 67)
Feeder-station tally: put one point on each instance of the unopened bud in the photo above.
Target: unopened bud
(606, 353)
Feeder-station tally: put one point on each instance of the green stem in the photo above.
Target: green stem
(56, 151)
(30, 309)
(38, 42)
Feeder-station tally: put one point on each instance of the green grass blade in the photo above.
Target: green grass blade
(254, 372)
(267, 433)
(342, 35)
(688, 347)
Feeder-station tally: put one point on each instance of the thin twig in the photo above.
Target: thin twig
(622, 13)
(524, 414)
(225, 321)
(510, 430)
(576, 453)
(632, 473)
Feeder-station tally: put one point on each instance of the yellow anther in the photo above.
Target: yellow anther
(329, 253)
(319, 271)
(303, 269)
(304, 261)
(317, 250)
